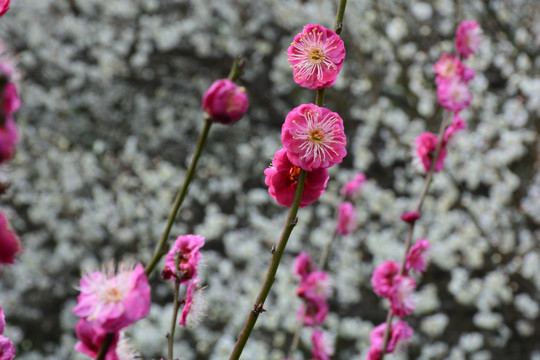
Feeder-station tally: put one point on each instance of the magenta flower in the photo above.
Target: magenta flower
(114, 300)
(450, 67)
(315, 287)
(453, 94)
(352, 188)
(187, 248)
(426, 144)
(316, 56)
(91, 337)
(7, 350)
(399, 332)
(401, 299)
(468, 38)
(10, 100)
(314, 137)
(346, 218)
(282, 178)
(411, 216)
(225, 102)
(383, 277)
(9, 242)
(193, 309)
(457, 124)
(417, 257)
(313, 312)
(322, 346)
(8, 139)
(4, 6)
(303, 265)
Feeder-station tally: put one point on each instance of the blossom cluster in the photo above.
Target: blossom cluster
(452, 78)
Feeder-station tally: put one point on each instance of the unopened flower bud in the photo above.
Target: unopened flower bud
(411, 216)
(225, 102)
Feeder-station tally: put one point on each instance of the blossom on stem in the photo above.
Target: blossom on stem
(114, 300)
(450, 67)
(186, 247)
(417, 257)
(91, 336)
(225, 102)
(468, 38)
(303, 265)
(8, 139)
(282, 179)
(9, 242)
(11, 102)
(400, 331)
(453, 94)
(323, 346)
(314, 137)
(346, 219)
(313, 312)
(426, 144)
(352, 187)
(411, 216)
(401, 299)
(316, 56)
(193, 310)
(457, 124)
(315, 286)
(7, 350)
(382, 279)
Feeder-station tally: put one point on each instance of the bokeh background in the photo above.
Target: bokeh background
(111, 112)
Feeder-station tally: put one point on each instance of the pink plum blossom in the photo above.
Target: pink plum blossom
(323, 347)
(91, 337)
(7, 350)
(193, 309)
(382, 279)
(225, 102)
(453, 94)
(411, 216)
(401, 299)
(417, 257)
(114, 300)
(352, 187)
(346, 218)
(9, 242)
(10, 100)
(314, 137)
(8, 139)
(303, 265)
(282, 178)
(426, 144)
(468, 38)
(450, 67)
(313, 312)
(400, 331)
(316, 56)
(187, 248)
(4, 6)
(457, 124)
(315, 286)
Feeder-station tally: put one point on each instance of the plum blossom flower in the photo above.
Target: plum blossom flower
(11, 102)
(313, 312)
(399, 332)
(352, 187)
(382, 279)
(316, 56)
(7, 350)
(411, 216)
(468, 38)
(282, 178)
(457, 124)
(426, 144)
(314, 137)
(187, 248)
(225, 102)
(303, 265)
(417, 257)
(91, 336)
(114, 300)
(450, 67)
(323, 346)
(453, 94)
(193, 310)
(315, 286)
(9, 137)
(346, 218)
(401, 299)
(9, 242)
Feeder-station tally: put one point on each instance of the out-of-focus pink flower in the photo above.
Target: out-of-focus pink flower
(417, 257)
(383, 277)
(351, 188)
(91, 337)
(10, 100)
(457, 124)
(303, 265)
(374, 353)
(7, 350)
(9, 242)
(187, 248)
(323, 347)
(4, 6)
(450, 67)
(426, 144)
(2, 321)
(468, 38)
(114, 300)
(282, 178)
(225, 102)
(314, 137)
(316, 56)
(411, 216)
(313, 312)
(453, 94)
(193, 309)
(8, 139)
(399, 331)
(401, 299)
(316, 286)
(346, 218)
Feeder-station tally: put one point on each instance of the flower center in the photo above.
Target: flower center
(112, 295)
(317, 56)
(317, 135)
(293, 175)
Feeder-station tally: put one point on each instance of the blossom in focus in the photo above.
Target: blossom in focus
(400, 331)
(114, 300)
(7, 350)
(9, 242)
(4, 6)
(453, 94)
(91, 337)
(426, 144)
(468, 38)
(193, 309)
(303, 265)
(323, 347)
(346, 218)
(316, 56)
(457, 124)
(282, 178)
(417, 257)
(351, 188)
(382, 279)
(186, 247)
(225, 102)
(314, 137)
(401, 299)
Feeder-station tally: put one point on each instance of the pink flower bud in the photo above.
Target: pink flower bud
(225, 102)
(346, 219)
(411, 216)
